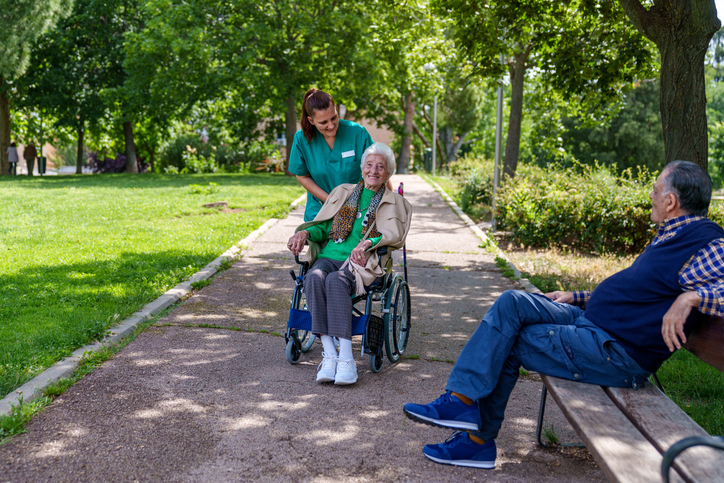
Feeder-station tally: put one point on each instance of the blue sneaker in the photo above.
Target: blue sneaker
(447, 411)
(460, 450)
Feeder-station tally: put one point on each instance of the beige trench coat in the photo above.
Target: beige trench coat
(394, 214)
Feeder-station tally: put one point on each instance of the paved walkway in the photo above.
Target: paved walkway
(207, 395)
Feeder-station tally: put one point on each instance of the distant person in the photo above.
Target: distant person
(30, 154)
(12, 159)
(631, 323)
(327, 151)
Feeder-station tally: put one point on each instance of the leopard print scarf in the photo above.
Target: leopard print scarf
(344, 219)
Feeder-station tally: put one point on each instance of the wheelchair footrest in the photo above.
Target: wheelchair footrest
(302, 320)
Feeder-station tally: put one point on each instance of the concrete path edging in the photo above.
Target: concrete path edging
(33, 389)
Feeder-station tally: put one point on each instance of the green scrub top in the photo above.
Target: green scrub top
(329, 169)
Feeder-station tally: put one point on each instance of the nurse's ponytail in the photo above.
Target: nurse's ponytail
(314, 100)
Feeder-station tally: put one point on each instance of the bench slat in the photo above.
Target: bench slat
(663, 423)
(618, 447)
(707, 342)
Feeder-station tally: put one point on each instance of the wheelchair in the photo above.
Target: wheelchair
(381, 316)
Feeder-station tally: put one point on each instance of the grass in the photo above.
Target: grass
(697, 388)
(80, 253)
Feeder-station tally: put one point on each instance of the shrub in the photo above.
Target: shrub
(188, 153)
(588, 208)
(475, 177)
(112, 165)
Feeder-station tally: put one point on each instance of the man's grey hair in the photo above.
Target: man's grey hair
(383, 150)
(691, 184)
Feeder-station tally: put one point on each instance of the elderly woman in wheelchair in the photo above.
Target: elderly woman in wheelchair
(343, 238)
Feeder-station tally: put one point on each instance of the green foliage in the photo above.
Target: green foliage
(475, 179)
(697, 388)
(588, 208)
(632, 137)
(209, 189)
(199, 284)
(14, 423)
(24, 21)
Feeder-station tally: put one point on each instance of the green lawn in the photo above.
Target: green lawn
(80, 253)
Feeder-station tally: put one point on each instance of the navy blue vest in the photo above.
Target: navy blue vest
(631, 304)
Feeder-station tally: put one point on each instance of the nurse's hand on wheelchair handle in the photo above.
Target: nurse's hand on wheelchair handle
(297, 242)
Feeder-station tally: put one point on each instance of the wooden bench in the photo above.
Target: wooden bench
(628, 430)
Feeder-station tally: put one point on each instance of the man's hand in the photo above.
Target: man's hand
(297, 242)
(672, 327)
(560, 297)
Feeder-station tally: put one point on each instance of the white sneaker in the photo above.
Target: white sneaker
(346, 372)
(327, 368)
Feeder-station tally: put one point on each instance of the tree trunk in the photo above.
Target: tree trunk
(79, 157)
(4, 127)
(456, 147)
(516, 67)
(131, 161)
(682, 35)
(290, 124)
(404, 159)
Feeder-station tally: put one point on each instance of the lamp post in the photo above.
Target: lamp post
(498, 142)
(434, 134)
(431, 67)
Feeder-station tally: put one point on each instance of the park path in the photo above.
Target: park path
(206, 394)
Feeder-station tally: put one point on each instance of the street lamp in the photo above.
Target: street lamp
(430, 67)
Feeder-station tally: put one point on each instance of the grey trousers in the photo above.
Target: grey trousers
(329, 300)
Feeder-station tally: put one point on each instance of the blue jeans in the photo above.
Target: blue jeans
(530, 330)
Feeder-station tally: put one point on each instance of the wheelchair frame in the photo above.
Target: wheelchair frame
(390, 332)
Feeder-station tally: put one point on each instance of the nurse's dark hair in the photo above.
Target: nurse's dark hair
(691, 184)
(314, 100)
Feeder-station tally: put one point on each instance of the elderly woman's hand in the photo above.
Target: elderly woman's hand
(297, 242)
(358, 254)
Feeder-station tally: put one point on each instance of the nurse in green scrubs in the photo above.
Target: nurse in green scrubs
(327, 151)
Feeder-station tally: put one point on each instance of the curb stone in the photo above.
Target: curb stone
(33, 389)
(529, 287)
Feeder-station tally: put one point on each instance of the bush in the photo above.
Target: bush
(112, 165)
(588, 208)
(187, 153)
(475, 177)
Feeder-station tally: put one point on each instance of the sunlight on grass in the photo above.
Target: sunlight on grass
(80, 253)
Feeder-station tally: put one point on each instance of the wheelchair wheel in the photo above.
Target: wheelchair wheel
(397, 318)
(376, 362)
(306, 338)
(294, 351)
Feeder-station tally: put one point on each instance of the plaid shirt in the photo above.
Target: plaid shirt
(703, 273)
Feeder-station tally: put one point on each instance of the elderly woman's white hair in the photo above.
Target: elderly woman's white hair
(383, 150)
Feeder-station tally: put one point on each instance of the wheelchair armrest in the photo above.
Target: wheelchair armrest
(382, 251)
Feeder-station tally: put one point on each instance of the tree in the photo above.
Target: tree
(631, 138)
(581, 49)
(23, 22)
(681, 29)
(264, 55)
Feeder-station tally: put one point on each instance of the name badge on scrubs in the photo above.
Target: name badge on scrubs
(348, 154)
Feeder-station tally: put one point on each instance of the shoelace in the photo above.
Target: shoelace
(345, 366)
(326, 360)
(454, 436)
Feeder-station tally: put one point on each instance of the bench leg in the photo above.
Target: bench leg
(539, 428)
(541, 413)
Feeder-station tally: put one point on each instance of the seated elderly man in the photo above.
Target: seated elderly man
(631, 324)
(354, 221)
